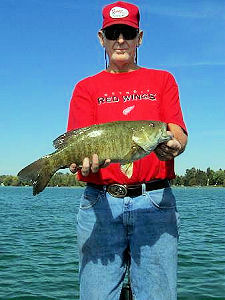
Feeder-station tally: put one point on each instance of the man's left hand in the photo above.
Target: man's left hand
(168, 150)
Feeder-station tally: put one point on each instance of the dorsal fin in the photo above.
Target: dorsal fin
(63, 140)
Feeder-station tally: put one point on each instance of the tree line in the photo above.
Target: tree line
(192, 177)
(58, 179)
(197, 177)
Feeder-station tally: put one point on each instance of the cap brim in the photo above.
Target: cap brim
(124, 22)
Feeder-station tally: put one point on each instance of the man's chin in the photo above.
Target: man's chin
(120, 57)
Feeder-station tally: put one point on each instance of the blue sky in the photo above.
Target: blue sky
(49, 45)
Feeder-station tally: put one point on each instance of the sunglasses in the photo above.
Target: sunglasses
(113, 32)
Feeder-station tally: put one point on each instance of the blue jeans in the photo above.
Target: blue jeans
(108, 227)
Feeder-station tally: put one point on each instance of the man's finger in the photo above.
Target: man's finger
(164, 153)
(86, 167)
(174, 144)
(106, 163)
(73, 168)
(95, 163)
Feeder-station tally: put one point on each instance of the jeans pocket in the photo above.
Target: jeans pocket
(89, 198)
(162, 198)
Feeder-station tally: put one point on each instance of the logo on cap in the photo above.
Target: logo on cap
(118, 12)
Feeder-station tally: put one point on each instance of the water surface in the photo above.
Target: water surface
(38, 252)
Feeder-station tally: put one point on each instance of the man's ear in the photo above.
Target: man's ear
(101, 37)
(140, 38)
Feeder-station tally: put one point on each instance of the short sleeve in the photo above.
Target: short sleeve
(170, 106)
(81, 111)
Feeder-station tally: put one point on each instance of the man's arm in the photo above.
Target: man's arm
(174, 147)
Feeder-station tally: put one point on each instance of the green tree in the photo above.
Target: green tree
(201, 178)
(190, 177)
(219, 177)
(210, 176)
(11, 180)
(179, 180)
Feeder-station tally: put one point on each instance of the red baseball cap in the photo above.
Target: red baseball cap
(120, 13)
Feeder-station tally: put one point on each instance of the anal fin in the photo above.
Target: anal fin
(127, 169)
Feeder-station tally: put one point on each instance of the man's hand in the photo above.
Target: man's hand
(168, 150)
(89, 166)
(175, 146)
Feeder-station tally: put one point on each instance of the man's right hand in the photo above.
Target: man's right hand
(89, 166)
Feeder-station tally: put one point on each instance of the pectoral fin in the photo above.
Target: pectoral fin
(141, 139)
(127, 169)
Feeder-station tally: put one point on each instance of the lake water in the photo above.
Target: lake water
(38, 252)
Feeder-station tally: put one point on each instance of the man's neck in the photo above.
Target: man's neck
(122, 68)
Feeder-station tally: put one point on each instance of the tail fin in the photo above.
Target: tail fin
(39, 173)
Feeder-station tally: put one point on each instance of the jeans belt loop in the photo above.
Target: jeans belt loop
(143, 186)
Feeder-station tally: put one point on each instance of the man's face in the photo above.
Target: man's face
(120, 42)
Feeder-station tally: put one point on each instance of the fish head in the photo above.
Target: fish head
(150, 134)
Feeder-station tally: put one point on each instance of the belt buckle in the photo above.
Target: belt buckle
(117, 190)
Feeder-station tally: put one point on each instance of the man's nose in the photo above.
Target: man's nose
(120, 39)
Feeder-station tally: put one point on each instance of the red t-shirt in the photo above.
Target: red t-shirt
(143, 94)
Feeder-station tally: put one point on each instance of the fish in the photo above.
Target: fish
(121, 141)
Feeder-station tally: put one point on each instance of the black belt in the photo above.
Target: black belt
(134, 190)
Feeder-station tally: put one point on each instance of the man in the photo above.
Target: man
(140, 228)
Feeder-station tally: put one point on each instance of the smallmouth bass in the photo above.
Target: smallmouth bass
(122, 142)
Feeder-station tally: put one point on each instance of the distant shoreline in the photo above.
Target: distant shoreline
(79, 186)
(192, 178)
